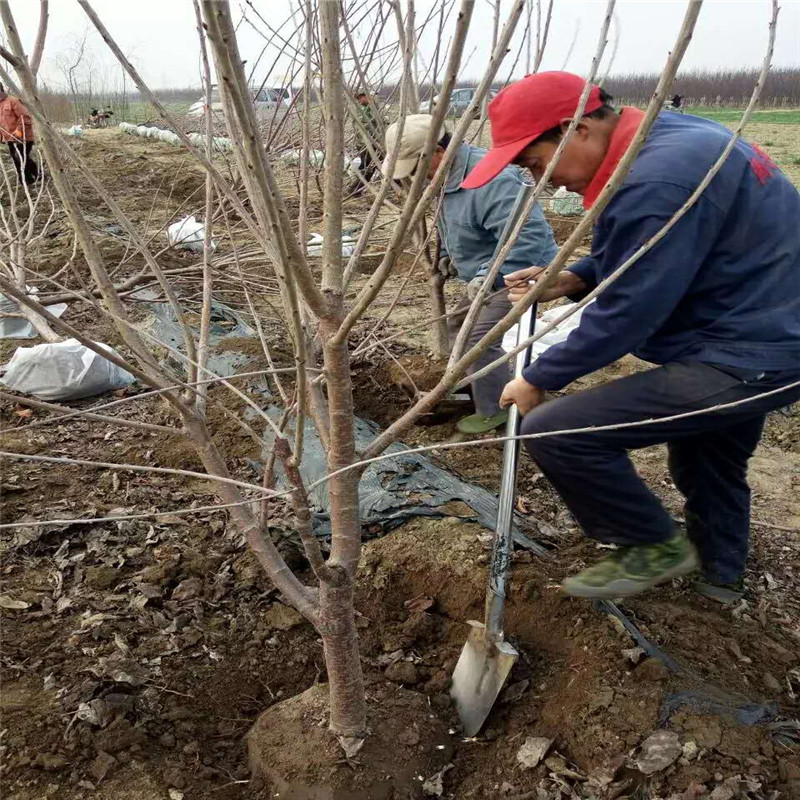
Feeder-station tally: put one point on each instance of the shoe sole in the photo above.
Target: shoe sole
(627, 587)
(719, 594)
(470, 432)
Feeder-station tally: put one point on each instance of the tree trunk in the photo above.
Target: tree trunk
(439, 341)
(340, 641)
(337, 616)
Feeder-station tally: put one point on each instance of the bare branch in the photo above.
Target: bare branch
(10, 290)
(54, 407)
(333, 119)
(302, 510)
(43, 523)
(532, 196)
(12, 59)
(543, 43)
(657, 237)
(418, 200)
(142, 395)
(41, 35)
(441, 446)
(208, 276)
(449, 380)
(186, 473)
(258, 231)
(386, 180)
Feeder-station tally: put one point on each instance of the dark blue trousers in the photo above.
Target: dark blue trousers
(708, 456)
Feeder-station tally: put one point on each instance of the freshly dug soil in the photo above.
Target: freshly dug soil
(292, 751)
(574, 683)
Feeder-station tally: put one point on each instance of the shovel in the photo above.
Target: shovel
(487, 657)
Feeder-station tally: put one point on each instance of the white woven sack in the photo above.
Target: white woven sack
(63, 371)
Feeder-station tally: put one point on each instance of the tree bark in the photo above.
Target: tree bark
(337, 614)
(340, 642)
(439, 341)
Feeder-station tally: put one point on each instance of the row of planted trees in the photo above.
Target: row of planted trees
(320, 306)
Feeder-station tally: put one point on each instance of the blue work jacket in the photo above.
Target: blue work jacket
(472, 220)
(722, 287)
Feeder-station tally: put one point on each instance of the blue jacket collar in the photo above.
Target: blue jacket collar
(459, 169)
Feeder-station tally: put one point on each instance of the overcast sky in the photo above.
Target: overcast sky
(160, 37)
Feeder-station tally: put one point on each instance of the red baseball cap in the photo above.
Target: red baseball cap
(522, 112)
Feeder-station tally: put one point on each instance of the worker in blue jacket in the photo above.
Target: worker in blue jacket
(716, 303)
(470, 225)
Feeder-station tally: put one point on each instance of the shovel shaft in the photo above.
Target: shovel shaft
(502, 546)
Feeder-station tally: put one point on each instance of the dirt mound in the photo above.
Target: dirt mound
(579, 680)
(294, 753)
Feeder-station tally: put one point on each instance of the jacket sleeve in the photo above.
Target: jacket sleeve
(23, 121)
(586, 269)
(535, 246)
(639, 302)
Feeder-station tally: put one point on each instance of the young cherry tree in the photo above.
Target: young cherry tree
(318, 315)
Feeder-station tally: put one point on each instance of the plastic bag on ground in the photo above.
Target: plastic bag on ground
(188, 234)
(316, 158)
(63, 371)
(567, 204)
(314, 245)
(16, 327)
(222, 144)
(558, 334)
(75, 130)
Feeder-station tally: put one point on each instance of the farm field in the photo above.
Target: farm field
(184, 611)
(761, 116)
(265, 533)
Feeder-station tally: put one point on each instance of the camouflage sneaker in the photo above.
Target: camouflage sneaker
(475, 424)
(631, 570)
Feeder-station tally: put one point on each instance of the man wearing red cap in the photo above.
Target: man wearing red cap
(716, 304)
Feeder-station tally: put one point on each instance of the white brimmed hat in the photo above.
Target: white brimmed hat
(412, 144)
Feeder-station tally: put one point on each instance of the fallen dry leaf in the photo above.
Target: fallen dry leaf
(11, 604)
(523, 505)
(533, 750)
(420, 603)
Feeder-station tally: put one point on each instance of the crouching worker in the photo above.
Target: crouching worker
(716, 303)
(470, 224)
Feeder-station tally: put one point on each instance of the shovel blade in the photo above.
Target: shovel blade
(479, 676)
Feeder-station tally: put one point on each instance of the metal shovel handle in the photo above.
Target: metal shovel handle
(502, 546)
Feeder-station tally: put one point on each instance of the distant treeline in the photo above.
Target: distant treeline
(723, 88)
(712, 88)
(698, 87)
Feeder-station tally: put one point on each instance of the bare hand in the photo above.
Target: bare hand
(525, 396)
(566, 283)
